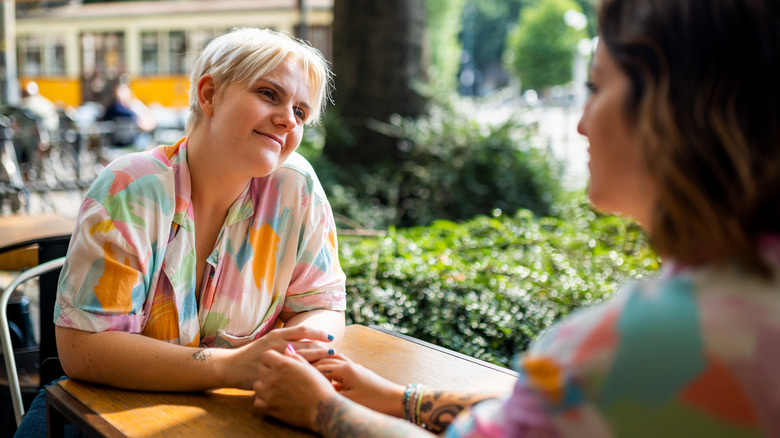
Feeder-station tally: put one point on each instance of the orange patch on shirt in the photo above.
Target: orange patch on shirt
(332, 240)
(718, 392)
(545, 375)
(171, 150)
(102, 227)
(115, 287)
(163, 321)
(264, 241)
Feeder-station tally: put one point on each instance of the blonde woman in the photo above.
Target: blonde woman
(188, 259)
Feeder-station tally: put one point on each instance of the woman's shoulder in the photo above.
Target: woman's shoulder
(136, 177)
(300, 164)
(297, 173)
(660, 322)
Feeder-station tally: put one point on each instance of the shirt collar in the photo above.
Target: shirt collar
(242, 208)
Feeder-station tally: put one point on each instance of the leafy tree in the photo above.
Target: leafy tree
(485, 24)
(444, 26)
(542, 46)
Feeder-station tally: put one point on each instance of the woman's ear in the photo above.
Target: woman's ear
(206, 93)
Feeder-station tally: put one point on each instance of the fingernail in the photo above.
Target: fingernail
(290, 348)
(331, 352)
(330, 337)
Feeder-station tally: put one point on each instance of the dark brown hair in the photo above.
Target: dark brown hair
(705, 99)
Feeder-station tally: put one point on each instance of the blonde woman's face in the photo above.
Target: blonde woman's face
(619, 182)
(261, 125)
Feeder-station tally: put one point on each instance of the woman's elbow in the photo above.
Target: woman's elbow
(71, 346)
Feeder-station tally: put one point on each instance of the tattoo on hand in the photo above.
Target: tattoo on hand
(442, 416)
(443, 412)
(333, 419)
(201, 355)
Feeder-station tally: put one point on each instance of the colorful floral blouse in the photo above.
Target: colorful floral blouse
(131, 261)
(692, 353)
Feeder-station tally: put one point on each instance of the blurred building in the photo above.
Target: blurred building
(78, 52)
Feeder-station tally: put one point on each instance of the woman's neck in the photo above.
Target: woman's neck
(214, 187)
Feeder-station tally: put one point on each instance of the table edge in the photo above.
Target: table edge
(77, 413)
(462, 356)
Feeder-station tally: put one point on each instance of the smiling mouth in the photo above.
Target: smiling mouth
(271, 137)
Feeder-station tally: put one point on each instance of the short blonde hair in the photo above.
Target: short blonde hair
(245, 55)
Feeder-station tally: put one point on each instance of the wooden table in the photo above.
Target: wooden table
(26, 241)
(103, 411)
(23, 236)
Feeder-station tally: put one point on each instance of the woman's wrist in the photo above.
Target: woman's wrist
(411, 403)
(394, 399)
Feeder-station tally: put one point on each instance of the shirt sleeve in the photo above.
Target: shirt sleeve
(317, 282)
(552, 396)
(101, 286)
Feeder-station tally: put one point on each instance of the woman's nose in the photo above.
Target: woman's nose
(581, 125)
(285, 116)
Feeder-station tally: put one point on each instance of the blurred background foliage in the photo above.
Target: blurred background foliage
(540, 46)
(448, 165)
(461, 232)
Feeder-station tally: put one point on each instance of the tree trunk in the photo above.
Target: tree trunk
(377, 56)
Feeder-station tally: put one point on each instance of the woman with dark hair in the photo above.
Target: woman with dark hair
(682, 121)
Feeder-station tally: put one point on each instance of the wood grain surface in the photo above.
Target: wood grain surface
(228, 412)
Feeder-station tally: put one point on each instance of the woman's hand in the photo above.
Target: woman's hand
(311, 344)
(293, 391)
(362, 385)
(290, 389)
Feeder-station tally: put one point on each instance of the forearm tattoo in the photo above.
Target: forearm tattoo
(201, 355)
(337, 417)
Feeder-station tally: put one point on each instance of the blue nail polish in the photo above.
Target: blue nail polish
(330, 337)
(331, 351)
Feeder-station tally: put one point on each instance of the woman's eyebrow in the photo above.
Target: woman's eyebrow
(283, 91)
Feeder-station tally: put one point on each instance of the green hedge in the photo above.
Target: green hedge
(488, 286)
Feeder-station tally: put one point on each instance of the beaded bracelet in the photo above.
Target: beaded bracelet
(418, 420)
(412, 403)
(405, 401)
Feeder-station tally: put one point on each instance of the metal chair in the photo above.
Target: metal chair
(5, 331)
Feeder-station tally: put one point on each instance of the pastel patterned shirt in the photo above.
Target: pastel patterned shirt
(131, 262)
(691, 353)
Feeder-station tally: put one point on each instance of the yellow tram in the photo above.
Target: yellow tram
(76, 53)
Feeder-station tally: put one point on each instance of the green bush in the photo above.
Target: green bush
(488, 286)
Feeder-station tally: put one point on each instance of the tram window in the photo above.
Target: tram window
(178, 51)
(30, 58)
(150, 64)
(38, 55)
(57, 67)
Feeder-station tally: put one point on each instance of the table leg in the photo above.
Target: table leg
(55, 421)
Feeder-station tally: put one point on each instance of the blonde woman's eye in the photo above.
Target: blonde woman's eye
(267, 93)
(300, 114)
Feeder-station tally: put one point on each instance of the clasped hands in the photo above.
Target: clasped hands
(291, 384)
